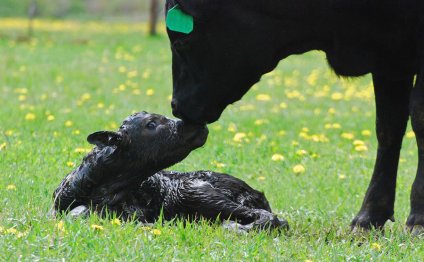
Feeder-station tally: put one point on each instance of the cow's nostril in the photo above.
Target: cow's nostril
(174, 107)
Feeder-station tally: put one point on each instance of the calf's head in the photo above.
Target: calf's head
(150, 142)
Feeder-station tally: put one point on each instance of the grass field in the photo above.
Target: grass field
(302, 135)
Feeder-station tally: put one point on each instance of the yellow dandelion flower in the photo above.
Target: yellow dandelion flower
(283, 105)
(82, 150)
(232, 128)
(295, 143)
(76, 132)
(156, 232)
(348, 136)
(277, 157)
(85, 97)
(50, 117)
(314, 155)
(68, 123)
(8, 132)
(30, 116)
(21, 98)
(301, 152)
(376, 246)
(281, 133)
(342, 176)
(298, 169)
(11, 187)
(337, 96)
(336, 126)
(146, 74)
(358, 142)
(218, 164)
(261, 178)
(21, 91)
(361, 148)
(263, 97)
(100, 105)
(331, 111)
(260, 122)
(366, 133)
(115, 221)
(410, 134)
(60, 226)
(238, 137)
(96, 227)
(12, 231)
(113, 125)
(150, 92)
(132, 74)
(70, 164)
(122, 87)
(59, 79)
(3, 146)
(122, 69)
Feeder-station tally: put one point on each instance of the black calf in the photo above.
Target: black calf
(122, 174)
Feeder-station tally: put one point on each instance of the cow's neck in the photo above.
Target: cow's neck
(308, 23)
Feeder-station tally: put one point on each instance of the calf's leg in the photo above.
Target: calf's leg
(206, 201)
(392, 101)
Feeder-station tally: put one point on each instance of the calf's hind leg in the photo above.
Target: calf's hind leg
(416, 217)
(204, 200)
(392, 101)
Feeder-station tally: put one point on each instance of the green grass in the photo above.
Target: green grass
(75, 75)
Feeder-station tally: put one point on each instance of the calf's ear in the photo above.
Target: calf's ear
(105, 138)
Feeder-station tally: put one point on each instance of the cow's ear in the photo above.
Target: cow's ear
(105, 138)
(200, 9)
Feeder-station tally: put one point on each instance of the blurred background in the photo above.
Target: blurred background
(105, 10)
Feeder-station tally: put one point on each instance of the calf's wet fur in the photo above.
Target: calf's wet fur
(124, 174)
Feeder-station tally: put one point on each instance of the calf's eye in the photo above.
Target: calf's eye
(151, 125)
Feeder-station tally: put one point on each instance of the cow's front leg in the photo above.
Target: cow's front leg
(392, 101)
(416, 218)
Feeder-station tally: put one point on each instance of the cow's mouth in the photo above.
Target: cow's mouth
(196, 135)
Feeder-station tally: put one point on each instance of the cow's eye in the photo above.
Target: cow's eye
(151, 125)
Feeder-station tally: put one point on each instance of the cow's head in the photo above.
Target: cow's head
(215, 64)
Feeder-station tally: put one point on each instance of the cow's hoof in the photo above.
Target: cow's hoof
(415, 224)
(366, 220)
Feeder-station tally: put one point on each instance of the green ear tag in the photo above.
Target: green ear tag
(178, 21)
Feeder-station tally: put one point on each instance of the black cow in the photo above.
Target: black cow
(233, 43)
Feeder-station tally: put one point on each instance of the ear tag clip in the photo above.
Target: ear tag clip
(178, 21)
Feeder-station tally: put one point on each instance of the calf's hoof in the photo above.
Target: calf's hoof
(367, 220)
(415, 224)
(271, 222)
(79, 211)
